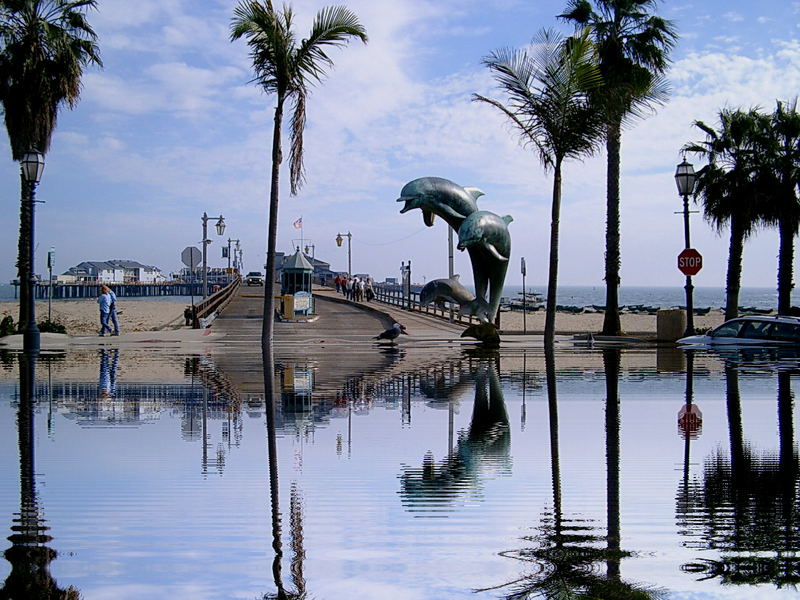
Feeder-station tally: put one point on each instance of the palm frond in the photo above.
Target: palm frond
(333, 26)
(298, 124)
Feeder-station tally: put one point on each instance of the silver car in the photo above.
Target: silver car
(748, 331)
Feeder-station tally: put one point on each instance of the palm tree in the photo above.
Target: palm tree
(633, 47)
(44, 47)
(779, 178)
(548, 101)
(287, 69)
(728, 186)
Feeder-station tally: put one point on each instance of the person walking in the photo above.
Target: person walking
(104, 300)
(112, 310)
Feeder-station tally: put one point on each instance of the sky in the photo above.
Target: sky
(172, 127)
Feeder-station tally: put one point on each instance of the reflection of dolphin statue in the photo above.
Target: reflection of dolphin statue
(485, 235)
(438, 196)
(483, 447)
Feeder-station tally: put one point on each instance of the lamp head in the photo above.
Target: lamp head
(32, 164)
(339, 240)
(685, 178)
(220, 225)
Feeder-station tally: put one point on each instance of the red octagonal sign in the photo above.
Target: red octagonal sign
(690, 261)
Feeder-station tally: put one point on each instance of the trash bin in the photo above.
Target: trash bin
(670, 324)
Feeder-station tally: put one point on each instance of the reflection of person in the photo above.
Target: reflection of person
(112, 311)
(107, 381)
(104, 300)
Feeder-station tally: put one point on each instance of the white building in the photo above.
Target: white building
(112, 271)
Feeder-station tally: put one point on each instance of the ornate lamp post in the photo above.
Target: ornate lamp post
(32, 165)
(339, 239)
(220, 225)
(685, 179)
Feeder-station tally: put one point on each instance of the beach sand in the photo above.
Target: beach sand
(82, 317)
(592, 322)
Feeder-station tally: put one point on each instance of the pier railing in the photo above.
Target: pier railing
(409, 300)
(207, 310)
(91, 289)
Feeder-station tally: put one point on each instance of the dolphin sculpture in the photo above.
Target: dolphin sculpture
(482, 233)
(451, 290)
(437, 196)
(485, 235)
(445, 289)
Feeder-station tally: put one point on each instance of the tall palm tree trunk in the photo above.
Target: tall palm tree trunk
(611, 323)
(787, 231)
(552, 277)
(268, 317)
(23, 266)
(734, 275)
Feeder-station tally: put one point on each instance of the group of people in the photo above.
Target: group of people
(108, 311)
(357, 289)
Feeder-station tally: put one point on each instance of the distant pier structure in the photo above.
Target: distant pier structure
(62, 291)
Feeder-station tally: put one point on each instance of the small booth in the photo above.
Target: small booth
(296, 278)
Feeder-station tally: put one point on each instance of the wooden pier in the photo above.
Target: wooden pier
(66, 291)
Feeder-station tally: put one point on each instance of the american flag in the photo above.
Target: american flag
(299, 223)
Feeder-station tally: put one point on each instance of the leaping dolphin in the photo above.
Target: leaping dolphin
(451, 290)
(439, 196)
(486, 236)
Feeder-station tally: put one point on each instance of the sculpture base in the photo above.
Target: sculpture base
(485, 333)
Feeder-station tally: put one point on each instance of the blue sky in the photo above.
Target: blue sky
(171, 127)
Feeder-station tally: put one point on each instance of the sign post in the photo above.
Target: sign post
(51, 262)
(524, 297)
(689, 263)
(191, 257)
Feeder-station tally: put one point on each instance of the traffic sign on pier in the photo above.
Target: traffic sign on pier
(690, 262)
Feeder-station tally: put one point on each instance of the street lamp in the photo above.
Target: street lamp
(685, 179)
(32, 165)
(339, 239)
(220, 225)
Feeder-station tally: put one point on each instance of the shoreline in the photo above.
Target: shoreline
(81, 317)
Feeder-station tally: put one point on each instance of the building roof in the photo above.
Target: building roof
(297, 262)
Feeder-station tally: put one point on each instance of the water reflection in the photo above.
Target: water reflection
(296, 501)
(745, 507)
(29, 555)
(484, 446)
(583, 502)
(566, 555)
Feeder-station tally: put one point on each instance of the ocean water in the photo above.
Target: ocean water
(660, 297)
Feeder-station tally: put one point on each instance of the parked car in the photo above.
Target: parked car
(254, 278)
(750, 330)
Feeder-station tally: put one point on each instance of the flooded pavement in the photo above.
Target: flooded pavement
(400, 472)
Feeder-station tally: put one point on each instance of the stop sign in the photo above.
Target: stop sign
(690, 261)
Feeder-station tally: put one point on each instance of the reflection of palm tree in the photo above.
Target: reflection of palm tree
(29, 556)
(565, 551)
(745, 507)
(270, 398)
(485, 442)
